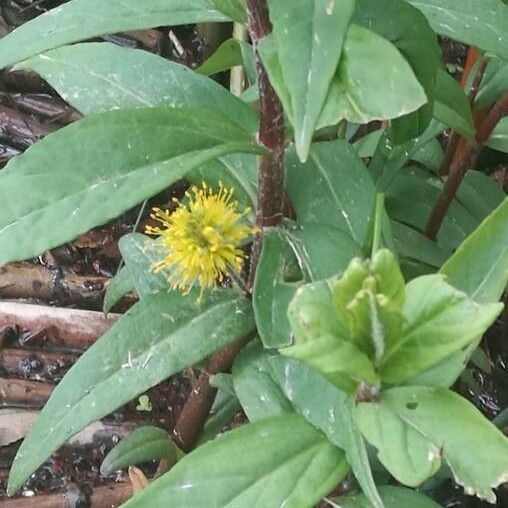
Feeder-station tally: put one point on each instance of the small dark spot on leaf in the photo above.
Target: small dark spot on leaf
(412, 405)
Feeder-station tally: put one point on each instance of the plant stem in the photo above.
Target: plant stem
(378, 223)
(269, 213)
(271, 136)
(237, 74)
(467, 160)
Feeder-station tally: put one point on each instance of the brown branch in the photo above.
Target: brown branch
(466, 161)
(271, 136)
(20, 392)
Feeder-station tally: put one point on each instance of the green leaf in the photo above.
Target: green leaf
(98, 77)
(408, 29)
(480, 23)
(332, 412)
(393, 497)
(117, 287)
(494, 83)
(479, 267)
(258, 392)
(159, 336)
(274, 287)
(141, 445)
(438, 320)
(139, 252)
(451, 106)
(373, 82)
(234, 9)
(91, 171)
(323, 341)
(278, 461)
(75, 21)
(475, 450)
(332, 188)
(499, 137)
(227, 55)
(315, 31)
(224, 408)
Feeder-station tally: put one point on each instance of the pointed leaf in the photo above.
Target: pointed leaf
(75, 21)
(98, 77)
(475, 450)
(156, 338)
(499, 137)
(480, 23)
(143, 444)
(278, 461)
(91, 171)
(479, 267)
(373, 82)
(438, 320)
(332, 188)
(315, 31)
(234, 9)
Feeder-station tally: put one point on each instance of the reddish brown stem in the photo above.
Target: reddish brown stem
(459, 168)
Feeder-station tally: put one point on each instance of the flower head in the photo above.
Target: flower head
(200, 239)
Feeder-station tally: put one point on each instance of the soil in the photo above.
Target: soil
(30, 109)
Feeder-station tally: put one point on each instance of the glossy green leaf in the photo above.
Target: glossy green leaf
(227, 55)
(392, 497)
(274, 287)
(451, 106)
(499, 137)
(494, 83)
(332, 412)
(143, 444)
(332, 188)
(74, 21)
(479, 267)
(480, 23)
(323, 341)
(98, 77)
(117, 287)
(159, 336)
(283, 461)
(373, 82)
(475, 450)
(257, 390)
(92, 170)
(234, 9)
(315, 31)
(408, 29)
(438, 320)
(139, 253)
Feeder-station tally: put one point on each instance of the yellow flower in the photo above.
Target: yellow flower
(200, 239)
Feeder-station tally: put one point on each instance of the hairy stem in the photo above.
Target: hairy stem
(459, 167)
(271, 136)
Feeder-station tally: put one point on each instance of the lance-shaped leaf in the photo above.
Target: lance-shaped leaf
(234, 9)
(475, 450)
(479, 267)
(141, 445)
(93, 170)
(159, 336)
(480, 23)
(315, 31)
(75, 21)
(408, 29)
(373, 82)
(438, 320)
(277, 461)
(98, 77)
